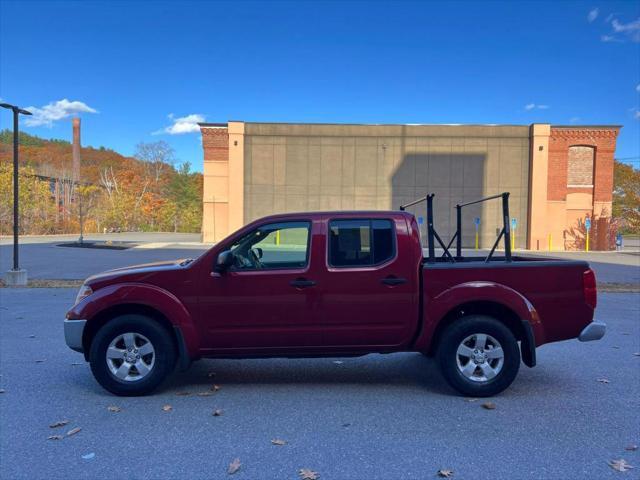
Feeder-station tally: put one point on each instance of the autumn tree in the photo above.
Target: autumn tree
(86, 196)
(626, 197)
(158, 157)
(37, 211)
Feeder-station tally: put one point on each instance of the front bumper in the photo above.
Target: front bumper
(593, 331)
(73, 330)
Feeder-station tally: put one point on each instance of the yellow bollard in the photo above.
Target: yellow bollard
(549, 242)
(277, 237)
(476, 239)
(587, 240)
(513, 241)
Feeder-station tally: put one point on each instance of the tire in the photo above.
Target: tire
(472, 370)
(132, 355)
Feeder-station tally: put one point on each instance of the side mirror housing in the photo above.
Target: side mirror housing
(224, 261)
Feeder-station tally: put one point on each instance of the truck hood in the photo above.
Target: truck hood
(137, 272)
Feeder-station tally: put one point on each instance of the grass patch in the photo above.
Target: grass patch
(37, 283)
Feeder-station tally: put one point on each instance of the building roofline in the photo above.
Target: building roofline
(576, 127)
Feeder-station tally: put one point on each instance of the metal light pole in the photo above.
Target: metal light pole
(15, 276)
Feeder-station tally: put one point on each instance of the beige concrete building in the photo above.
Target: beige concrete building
(257, 169)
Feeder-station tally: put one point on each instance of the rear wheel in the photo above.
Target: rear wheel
(131, 355)
(478, 356)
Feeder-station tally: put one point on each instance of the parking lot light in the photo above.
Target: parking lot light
(15, 276)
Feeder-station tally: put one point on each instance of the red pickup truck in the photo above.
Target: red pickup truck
(330, 284)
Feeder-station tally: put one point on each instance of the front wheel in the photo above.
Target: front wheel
(131, 355)
(478, 356)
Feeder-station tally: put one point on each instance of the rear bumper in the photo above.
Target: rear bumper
(593, 331)
(73, 330)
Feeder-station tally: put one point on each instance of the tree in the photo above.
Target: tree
(626, 197)
(185, 192)
(158, 157)
(85, 197)
(37, 211)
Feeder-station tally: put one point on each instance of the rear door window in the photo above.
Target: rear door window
(355, 243)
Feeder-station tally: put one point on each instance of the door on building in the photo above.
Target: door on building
(267, 299)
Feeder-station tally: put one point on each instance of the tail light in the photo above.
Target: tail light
(589, 287)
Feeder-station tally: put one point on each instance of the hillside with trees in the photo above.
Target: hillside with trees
(148, 192)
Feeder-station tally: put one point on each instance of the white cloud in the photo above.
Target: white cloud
(55, 111)
(593, 14)
(636, 114)
(574, 120)
(609, 39)
(181, 125)
(536, 106)
(631, 29)
(638, 88)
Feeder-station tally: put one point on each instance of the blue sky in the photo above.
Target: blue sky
(144, 71)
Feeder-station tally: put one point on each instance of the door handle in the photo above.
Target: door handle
(392, 281)
(302, 283)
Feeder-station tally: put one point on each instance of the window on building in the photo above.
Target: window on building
(580, 166)
(355, 243)
(273, 246)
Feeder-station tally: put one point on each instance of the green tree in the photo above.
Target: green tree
(626, 197)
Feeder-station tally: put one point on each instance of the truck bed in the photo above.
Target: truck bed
(554, 286)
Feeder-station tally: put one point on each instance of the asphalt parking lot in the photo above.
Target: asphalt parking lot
(373, 417)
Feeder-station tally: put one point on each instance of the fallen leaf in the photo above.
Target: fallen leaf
(167, 408)
(204, 394)
(277, 441)
(89, 456)
(603, 380)
(470, 399)
(215, 388)
(114, 408)
(73, 431)
(183, 394)
(631, 448)
(445, 473)
(54, 437)
(306, 474)
(234, 466)
(620, 465)
(217, 413)
(60, 423)
(489, 406)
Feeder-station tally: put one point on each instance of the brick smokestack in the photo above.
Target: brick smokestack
(76, 150)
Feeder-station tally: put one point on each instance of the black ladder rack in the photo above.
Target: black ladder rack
(433, 235)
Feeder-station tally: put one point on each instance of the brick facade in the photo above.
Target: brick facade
(215, 207)
(580, 183)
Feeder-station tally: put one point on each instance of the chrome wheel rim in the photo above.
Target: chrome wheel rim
(480, 357)
(130, 357)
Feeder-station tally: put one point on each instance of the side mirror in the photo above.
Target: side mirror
(224, 261)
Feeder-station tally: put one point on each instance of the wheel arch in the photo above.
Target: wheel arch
(521, 328)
